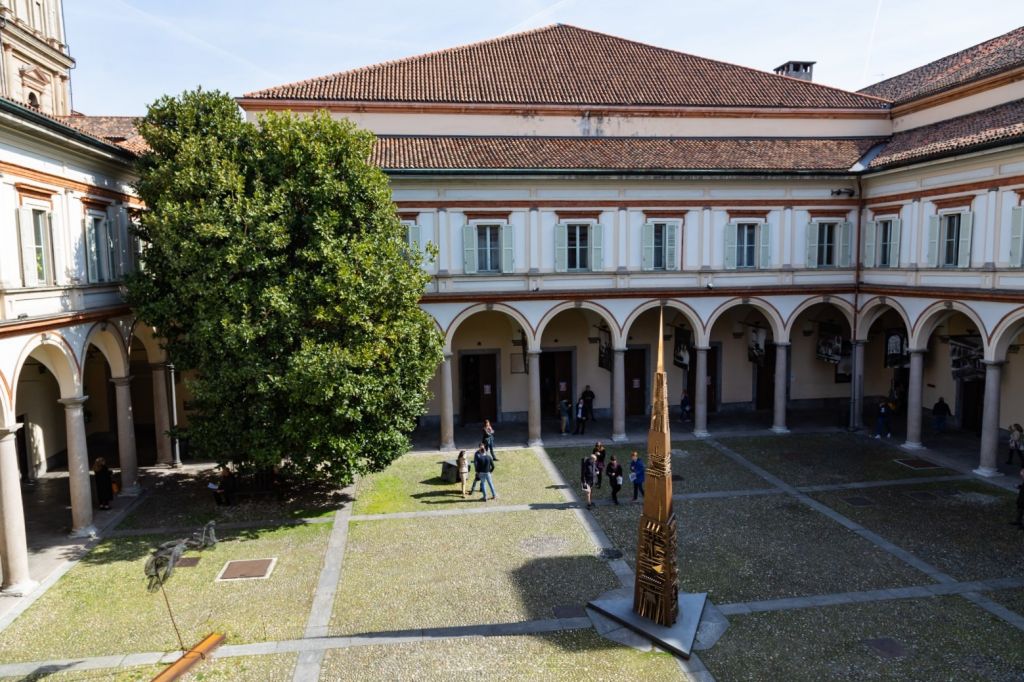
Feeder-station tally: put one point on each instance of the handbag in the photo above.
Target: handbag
(632, 477)
(618, 480)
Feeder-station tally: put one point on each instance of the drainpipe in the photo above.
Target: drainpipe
(857, 395)
(3, 70)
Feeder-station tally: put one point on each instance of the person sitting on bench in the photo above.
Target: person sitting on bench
(224, 492)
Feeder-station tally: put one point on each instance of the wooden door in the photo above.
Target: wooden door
(972, 402)
(555, 381)
(636, 381)
(478, 375)
(764, 380)
(21, 445)
(691, 379)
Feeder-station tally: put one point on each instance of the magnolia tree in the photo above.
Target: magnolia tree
(278, 272)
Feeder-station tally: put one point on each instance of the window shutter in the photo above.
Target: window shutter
(764, 258)
(90, 250)
(469, 249)
(28, 247)
(894, 243)
(845, 242)
(867, 256)
(1016, 235)
(114, 235)
(647, 252)
(932, 255)
(672, 246)
(561, 247)
(412, 236)
(730, 246)
(56, 249)
(508, 244)
(966, 233)
(811, 260)
(596, 247)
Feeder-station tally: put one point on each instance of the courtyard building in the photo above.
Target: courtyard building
(814, 248)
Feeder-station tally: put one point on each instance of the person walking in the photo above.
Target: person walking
(588, 472)
(588, 402)
(599, 452)
(684, 406)
(462, 464)
(614, 472)
(637, 474)
(104, 483)
(940, 411)
(488, 438)
(882, 424)
(476, 468)
(581, 418)
(1020, 502)
(484, 464)
(1016, 444)
(565, 412)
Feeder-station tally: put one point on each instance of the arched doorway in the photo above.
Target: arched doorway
(821, 367)
(884, 334)
(680, 335)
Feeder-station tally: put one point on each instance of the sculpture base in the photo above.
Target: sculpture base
(676, 639)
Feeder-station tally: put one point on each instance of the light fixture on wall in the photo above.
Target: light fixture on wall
(843, 192)
(737, 330)
(808, 328)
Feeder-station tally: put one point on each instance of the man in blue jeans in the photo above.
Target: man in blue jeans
(484, 465)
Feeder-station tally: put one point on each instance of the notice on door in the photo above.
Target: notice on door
(636, 383)
(563, 386)
(487, 389)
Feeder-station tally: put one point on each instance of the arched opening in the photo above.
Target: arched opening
(680, 334)
(954, 371)
(741, 363)
(821, 367)
(886, 367)
(1006, 347)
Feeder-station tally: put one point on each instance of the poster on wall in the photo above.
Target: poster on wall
(681, 350)
(844, 368)
(757, 340)
(965, 357)
(605, 359)
(830, 344)
(897, 350)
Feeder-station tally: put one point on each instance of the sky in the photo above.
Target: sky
(130, 52)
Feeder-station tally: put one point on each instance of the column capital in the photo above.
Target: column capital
(448, 356)
(704, 348)
(534, 352)
(783, 344)
(859, 342)
(122, 381)
(993, 363)
(71, 403)
(10, 430)
(157, 366)
(917, 351)
(619, 350)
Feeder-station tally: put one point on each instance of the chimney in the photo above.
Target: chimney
(801, 70)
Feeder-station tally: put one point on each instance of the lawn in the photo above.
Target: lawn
(237, 669)
(822, 459)
(941, 638)
(571, 655)
(413, 483)
(463, 570)
(101, 606)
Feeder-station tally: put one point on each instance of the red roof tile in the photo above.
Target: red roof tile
(998, 124)
(618, 153)
(980, 61)
(565, 65)
(112, 128)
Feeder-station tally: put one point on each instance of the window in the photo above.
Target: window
(578, 247)
(658, 257)
(826, 245)
(488, 248)
(746, 245)
(949, 240)
(36, 234)
(99, 249)
(882, 243)
(658, 245)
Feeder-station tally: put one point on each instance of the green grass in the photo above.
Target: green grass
(1011, 599)
(101, 606)
(236, 669)
(465, 570)
(413, 483)
(142, 673)
(572, 655)
(945, 638)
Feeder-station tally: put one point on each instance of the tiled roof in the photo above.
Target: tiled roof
(61, 121)
(1002, 123)
(112, 128)
(985, 59)
(618, 153)
(565, 65)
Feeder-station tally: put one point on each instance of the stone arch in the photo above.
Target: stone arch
(606, 316)
(55, 353)
(107, 338)
(686, 311)
(936, 313)
(520, 319)
(842, 305)
(874, 309)
(770, 313)
(147, 336)
(6, 408)
(1008, 329)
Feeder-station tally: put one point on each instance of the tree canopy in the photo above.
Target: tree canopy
(278, 272)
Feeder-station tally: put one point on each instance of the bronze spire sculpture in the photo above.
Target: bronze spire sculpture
(656, 590)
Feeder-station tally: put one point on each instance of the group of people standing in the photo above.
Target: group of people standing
(600, 465)
(579, 414)
(483, 464)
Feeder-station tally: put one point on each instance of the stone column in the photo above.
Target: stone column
(781, 374)
(161, 415)
(990, 421)
(619, 396)
(857, 387)
(78, 468)
(447, 412)
(126, 436)
(913, 441)
(533, 416)
(700, 400)
(13, 546)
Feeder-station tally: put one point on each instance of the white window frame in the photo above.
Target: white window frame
(576, 226)
(669, 252)
(491, 257)
(879, 252)
(32, 209)
(762, 244)
(754, 230)
(98, 262)
(945, 257)
(505, 248)
(830, 247)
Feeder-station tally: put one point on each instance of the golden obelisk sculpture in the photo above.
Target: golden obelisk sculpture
(656, 591)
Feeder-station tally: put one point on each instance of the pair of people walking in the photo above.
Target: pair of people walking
(593, 467)
(483, 465)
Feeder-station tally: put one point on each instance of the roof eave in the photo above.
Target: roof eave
(1010, 142)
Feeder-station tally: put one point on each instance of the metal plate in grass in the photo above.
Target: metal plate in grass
(921, 495)
(249, 569)
(859, 501)
(917, 464)
(886, 647)
(187, 562)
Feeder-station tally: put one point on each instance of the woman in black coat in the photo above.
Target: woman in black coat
(104, 483)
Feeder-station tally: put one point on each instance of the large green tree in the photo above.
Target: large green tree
(277, 271)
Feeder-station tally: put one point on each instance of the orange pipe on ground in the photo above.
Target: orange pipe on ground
(191, 658)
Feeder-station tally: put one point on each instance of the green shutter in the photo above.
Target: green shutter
(469, 263)
(966, 233)
(672, 246)
(647, 247)
(1016, 235)
(730, 246)
(867, 256)
(92, 259)
(596, 247)
(811, 259)
(844, 243)
(28, 247)
(932, 253)
(894, 243)
(764, 259)
(561, 247)
(508, 244)
(412, 236)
